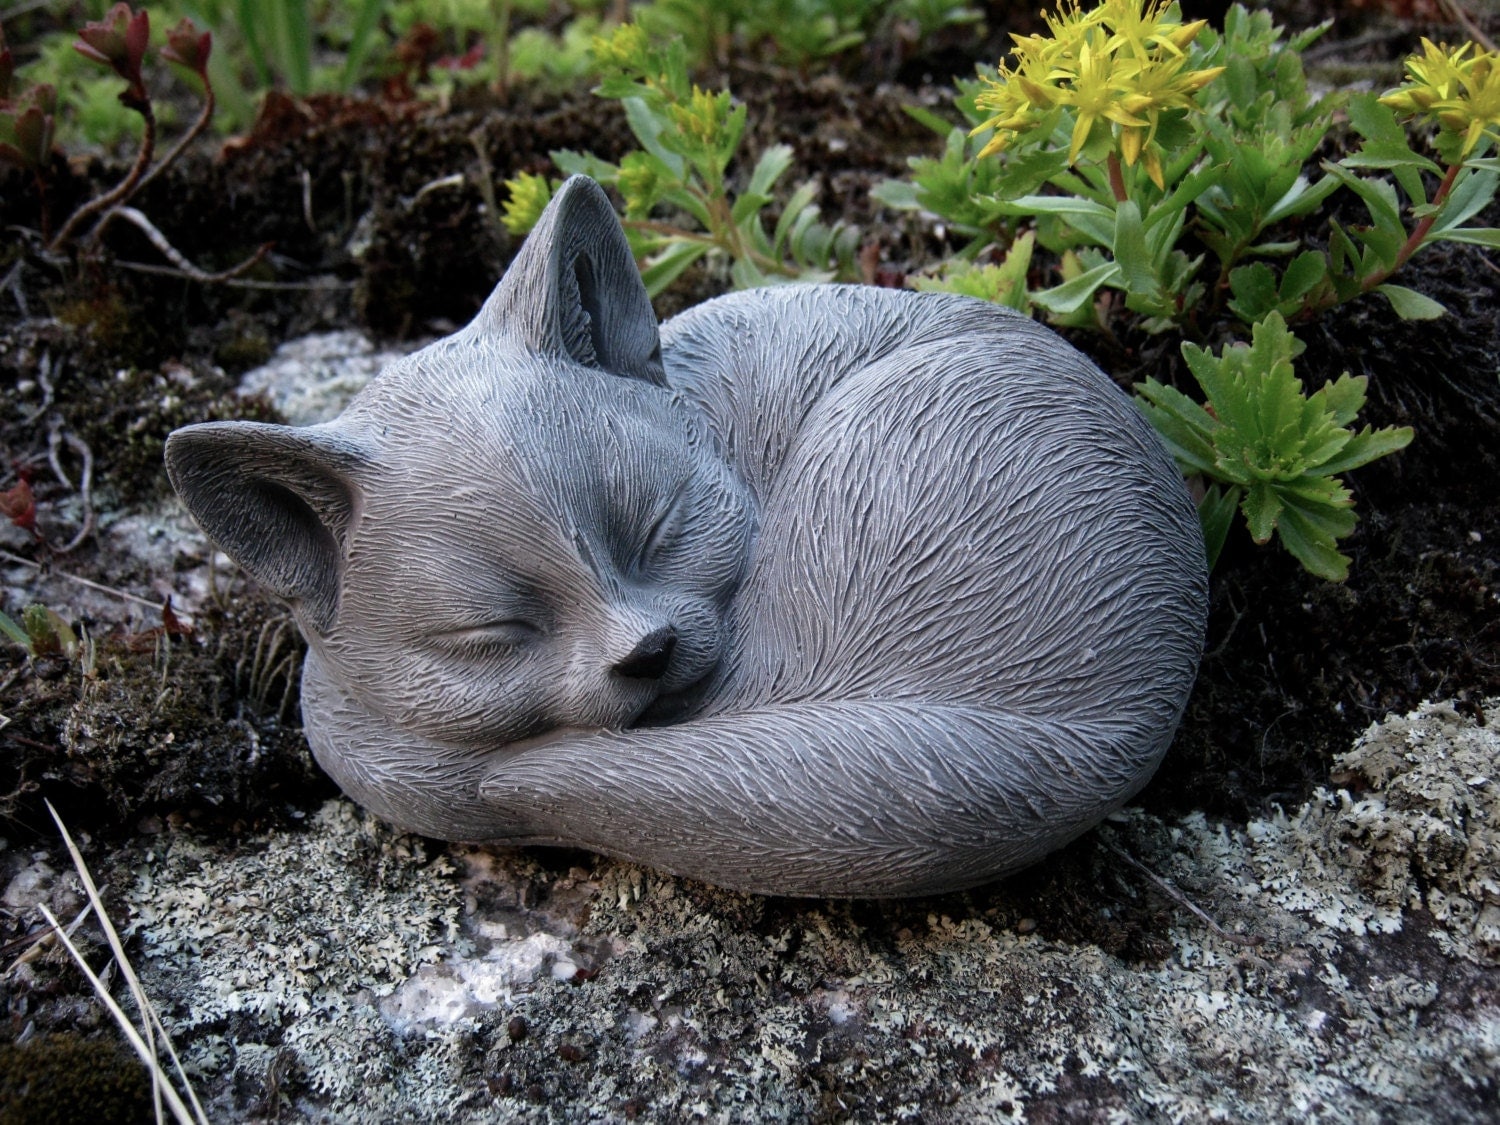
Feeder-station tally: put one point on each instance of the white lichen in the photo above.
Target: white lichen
(366, 980)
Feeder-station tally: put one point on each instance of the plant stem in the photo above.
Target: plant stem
(205, 115)
(1412, 244)
(1116, 178)
(121, 191)
(1419, 232)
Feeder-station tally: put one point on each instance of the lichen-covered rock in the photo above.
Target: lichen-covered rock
(345, 972)
(1414, 827)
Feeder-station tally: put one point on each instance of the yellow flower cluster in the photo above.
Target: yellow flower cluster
(1117, 65)
(1459, 90)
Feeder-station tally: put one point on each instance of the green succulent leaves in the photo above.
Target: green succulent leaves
(689, 138)
(1265, 446)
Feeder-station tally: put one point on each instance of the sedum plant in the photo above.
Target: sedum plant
(1265, 447)
(1130, 139)
(679, 205)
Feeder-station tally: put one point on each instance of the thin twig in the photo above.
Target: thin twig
(173, 255)
(39, 942)
(238, 282)
(86, 484)
(1455, 12)
(12, 285)
(133, 1037)
(148, 1011)
(1249, 941)
(205, 115)
(103, 589)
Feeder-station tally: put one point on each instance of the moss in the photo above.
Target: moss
(490, 984)
(63, 1078)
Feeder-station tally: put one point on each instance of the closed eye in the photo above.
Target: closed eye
(510, 633)
(665, 530)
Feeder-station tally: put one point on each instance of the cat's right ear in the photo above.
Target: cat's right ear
(278, 500)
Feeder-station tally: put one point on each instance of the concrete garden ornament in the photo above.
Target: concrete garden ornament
(820, 591)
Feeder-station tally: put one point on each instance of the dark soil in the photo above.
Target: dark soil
(367, 229)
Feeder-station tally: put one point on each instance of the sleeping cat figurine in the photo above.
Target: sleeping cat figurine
(823, 590)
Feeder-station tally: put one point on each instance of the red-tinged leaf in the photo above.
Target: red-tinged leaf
(172, 624)
(19, 506)
(467, 61)
(7, 71)
(189, 48)
(33, 133)
(118, 41)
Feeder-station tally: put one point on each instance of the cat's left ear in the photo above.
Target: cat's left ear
(574, 290)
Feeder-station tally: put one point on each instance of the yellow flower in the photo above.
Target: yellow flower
(1460, 91)
(1120, 64)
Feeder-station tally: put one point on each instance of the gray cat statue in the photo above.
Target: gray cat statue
(820, 590)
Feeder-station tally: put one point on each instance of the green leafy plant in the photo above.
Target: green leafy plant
(1131, 138)
(42, 631)
(1266, 447)
(119, 42)
(689, 137)
(1458, 91)
(797, 32)
(1001, 283)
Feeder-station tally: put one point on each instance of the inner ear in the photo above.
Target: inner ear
(277, 500)
(583, 315)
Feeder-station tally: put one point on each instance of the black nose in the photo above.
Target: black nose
(650, 657)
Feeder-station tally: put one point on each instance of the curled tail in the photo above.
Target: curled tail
(845, 798)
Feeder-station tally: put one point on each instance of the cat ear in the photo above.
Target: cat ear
(574, 289)
(278, 500)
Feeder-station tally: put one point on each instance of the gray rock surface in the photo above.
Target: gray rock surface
(348, 973)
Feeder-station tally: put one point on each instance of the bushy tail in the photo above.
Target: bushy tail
(848, 798)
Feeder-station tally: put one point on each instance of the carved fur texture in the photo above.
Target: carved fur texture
(822, 590)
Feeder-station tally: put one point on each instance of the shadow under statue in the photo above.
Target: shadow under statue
(824, 590)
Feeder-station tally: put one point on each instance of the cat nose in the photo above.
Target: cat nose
(650, 657)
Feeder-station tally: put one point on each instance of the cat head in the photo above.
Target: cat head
(516, 529)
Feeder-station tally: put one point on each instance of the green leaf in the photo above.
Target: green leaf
(1344, 397)
(1185, 426)
(1303, 274)
(1474, 236)
(1379, 196)
(1472, 193)
(1070, 296)
(1310, 533)
(1377, 124)
(1261, 507)
(1137, 270)
(923, 116)
(649, 127)
(1254, 290)
(1367, 446)
(898, 195)
(795, 208)
(1301, 198)
(769, 168)
(1409, 304)
(1216, 514)
(571, 163)
(1091, 219)
(667, 267)
(14, 632)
